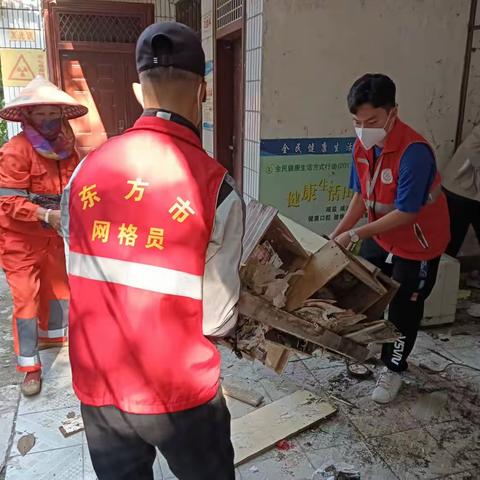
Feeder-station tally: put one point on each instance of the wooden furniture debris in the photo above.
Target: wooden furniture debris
(258, 308)
(262, 429)
(301, 291)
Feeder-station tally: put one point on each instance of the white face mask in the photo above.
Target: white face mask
(371, 136)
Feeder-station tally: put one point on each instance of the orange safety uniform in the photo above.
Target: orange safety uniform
(32, 252)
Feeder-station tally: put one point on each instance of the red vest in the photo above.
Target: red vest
(142, 209)
(429, 235)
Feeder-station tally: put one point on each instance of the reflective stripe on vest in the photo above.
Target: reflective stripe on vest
(13, 192)
(136, 275)
(384, 208)
(28, 361)
(58, 333)
(34, 197)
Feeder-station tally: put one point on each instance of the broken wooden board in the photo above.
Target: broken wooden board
(258, 219)
(309, 240)
(239, 392)
(324, 265)
(262, 429)
(381, 331)
(369, 266)
(277, 358)
(378, 309)
(365, 276)
(260, 310)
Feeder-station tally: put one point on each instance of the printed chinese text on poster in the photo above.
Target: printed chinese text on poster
(307, 179)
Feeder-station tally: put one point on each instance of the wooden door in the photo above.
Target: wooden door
(91, 53)
(102, 82)
(238, 112)
(229, 111)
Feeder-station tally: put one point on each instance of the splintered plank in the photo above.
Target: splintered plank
(324, 265)
(261, 311)
(277, 357)
(258, 219)
(262, 429)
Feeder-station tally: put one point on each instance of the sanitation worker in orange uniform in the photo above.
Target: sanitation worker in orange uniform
(35, 167)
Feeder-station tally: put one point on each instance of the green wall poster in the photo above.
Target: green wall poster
(307, 179)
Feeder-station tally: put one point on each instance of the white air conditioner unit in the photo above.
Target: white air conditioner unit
(441, 305)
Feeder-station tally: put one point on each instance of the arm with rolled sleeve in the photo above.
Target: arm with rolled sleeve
(221, 284)
(15, 183)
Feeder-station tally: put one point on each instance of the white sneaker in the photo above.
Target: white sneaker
(388, 385)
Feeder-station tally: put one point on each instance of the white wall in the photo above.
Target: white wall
(313, 50)
(253, 80)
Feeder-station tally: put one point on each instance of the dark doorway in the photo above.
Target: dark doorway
(229, 104)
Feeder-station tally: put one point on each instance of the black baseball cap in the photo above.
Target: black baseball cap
(170, 44)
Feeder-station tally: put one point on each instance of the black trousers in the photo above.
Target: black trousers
(463, 213)
(196, 443)
(416, 279)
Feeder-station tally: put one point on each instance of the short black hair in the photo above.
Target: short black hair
(374, 88)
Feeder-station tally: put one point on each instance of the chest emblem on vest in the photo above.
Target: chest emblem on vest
(387, 176)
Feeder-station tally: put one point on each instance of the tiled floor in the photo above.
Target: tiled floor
(432, 431)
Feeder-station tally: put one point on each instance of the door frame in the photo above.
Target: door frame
(230, 32)
(55, 46)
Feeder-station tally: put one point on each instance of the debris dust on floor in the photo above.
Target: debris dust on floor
(430, 432)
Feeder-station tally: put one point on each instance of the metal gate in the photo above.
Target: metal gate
(189, 13)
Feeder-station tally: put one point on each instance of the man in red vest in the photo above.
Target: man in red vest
(395, 179)
(153, 228)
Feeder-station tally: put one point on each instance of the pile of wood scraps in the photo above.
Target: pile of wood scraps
(302, 292)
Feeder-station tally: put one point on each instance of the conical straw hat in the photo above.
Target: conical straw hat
(42, 92)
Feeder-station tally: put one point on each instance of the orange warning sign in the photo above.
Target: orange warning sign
(21, 71)
(20, 66)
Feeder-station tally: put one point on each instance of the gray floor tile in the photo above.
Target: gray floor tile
(358, 455)
(415, 454)
(321, 360)
(374, 420)
(278, 465)
(45, 427)
(237, 408)
(9, 396)
(440, 406)
(63, 464)
(56, 393)
(468, 355)
(334, 431)
(460, 438)
(55, 363)
(468, 475)
(6, 426)
(88, 471)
